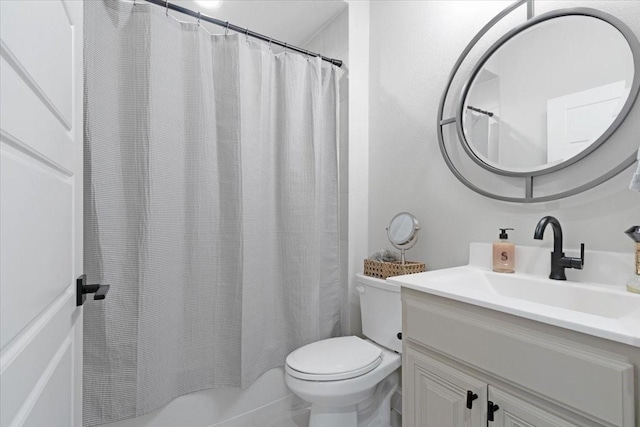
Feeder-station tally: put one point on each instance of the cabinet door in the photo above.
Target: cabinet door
(515, 412)
(437, 394)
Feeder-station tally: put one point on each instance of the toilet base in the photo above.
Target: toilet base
(334, 417)
(374, 411)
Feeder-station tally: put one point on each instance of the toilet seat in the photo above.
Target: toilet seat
(333, 359)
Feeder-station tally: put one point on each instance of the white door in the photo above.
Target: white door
(41, 213)
(576, 120)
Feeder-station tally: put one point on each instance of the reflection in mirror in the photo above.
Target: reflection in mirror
(548, 93)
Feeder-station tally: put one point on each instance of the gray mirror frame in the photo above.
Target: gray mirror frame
(528, 177)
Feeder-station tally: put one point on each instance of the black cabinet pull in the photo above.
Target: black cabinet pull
(471, 396)
(82, 289)
(493, 408)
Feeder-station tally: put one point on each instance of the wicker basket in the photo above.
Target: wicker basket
(382, 270)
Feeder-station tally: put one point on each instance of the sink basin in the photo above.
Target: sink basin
(603, 310)
(596, 300)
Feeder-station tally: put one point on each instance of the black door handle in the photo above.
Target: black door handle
(471, 396)
(82, 289)
(492, 409)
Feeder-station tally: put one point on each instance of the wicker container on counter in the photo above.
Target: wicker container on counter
(382, 270)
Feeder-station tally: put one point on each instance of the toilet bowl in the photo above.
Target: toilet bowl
(336, 375)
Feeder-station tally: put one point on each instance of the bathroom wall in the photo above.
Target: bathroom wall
(414, 45)
(268, 402)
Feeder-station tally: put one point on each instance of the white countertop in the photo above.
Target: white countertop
(597, 305)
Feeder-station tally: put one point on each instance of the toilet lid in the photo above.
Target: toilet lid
(334, 359)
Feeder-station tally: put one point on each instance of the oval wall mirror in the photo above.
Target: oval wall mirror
(545, 96)
(548, 94)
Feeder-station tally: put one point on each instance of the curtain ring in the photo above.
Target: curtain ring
(199, 18)
(226, 29)
(166, 8)
(246, 34)
(307, 55)
(285, 48)
(270, 40)
(134, 3)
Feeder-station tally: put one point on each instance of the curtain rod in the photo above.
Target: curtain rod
(229, 26)
(488, 113)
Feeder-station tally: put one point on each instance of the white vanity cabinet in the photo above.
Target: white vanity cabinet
(443, 396)
(537, 374)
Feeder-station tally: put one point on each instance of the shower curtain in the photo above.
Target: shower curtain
(211, 207)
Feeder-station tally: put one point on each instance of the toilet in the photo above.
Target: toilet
(349, 380)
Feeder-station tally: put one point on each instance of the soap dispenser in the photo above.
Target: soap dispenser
(504, 253)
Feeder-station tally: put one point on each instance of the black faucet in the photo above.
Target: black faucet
(558, 261)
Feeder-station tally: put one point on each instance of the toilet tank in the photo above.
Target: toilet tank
(381, 311)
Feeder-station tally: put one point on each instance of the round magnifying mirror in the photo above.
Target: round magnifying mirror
(403, 232)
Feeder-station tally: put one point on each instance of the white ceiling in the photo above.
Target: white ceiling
(291, 21)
